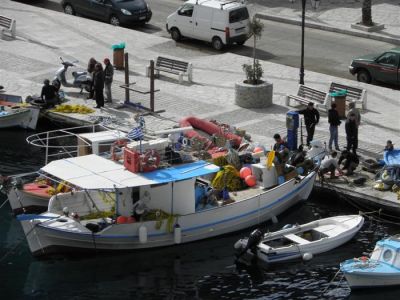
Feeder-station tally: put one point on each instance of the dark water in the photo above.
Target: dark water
(201, 270)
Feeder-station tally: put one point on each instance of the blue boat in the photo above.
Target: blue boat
(381, 269)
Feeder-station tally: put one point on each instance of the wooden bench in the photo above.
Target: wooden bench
(8, 25)
(358, 95)
(172, 66)
(307, 94)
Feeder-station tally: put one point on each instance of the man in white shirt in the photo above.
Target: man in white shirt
(330, 164)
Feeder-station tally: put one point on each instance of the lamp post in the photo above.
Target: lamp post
(303, 17)
(314, 4)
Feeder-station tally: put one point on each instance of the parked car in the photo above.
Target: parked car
(219, 22)
(116, 12)
(383, 67)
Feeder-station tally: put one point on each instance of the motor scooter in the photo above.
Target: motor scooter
(82, 79)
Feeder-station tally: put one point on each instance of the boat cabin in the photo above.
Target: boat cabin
(388, 251)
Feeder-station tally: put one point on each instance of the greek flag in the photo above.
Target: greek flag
(136, 133)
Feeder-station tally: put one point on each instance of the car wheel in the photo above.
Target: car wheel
(363, 76)
(175, 34)
(114, 20)
(240, 43)
(217, 43)
(69, 10)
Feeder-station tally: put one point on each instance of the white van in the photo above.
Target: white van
(216, 21)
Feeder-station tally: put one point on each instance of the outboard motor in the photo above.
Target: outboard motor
(254, 239)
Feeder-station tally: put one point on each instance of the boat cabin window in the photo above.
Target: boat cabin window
(387, 255)
(135, 194)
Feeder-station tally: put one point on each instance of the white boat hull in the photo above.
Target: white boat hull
(21, 117)
(336, 231)
(42, 235)
(371, 280)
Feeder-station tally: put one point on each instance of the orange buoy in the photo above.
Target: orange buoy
(258, 149)
(130, 219)
(122, 220)
(244, 172)
(250, 180)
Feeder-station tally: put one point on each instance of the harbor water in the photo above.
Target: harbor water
(200, 270)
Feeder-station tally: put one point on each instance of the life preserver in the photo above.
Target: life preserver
(150, 160)
(118, 144)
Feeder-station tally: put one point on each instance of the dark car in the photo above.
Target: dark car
(116, 12)
(384, 67)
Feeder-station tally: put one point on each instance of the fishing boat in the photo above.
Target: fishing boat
(300, 241)
(13, 114)
(121, 207)
(382, 269)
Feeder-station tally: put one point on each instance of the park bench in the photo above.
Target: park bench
(306, 95)
(8, 25)
(358, 95)
(172, 66)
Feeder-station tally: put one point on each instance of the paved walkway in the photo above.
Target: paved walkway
(43, 36)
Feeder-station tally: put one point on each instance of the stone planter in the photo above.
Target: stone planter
(253, 96)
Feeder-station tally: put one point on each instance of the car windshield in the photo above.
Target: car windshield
(238, 15)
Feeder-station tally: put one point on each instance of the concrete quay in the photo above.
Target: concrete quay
(43, 36)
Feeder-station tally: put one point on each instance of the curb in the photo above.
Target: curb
(329, 28)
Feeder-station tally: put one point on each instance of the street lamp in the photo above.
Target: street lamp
(314, 4)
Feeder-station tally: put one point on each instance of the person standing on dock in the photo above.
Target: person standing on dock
(334, 122)
(354, 110)
(352, 133)
(90, 69)
(108, 79)
(311, 119)
(98, 84)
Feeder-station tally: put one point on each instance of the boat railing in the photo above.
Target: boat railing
(63, 142)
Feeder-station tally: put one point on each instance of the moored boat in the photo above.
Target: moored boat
(300, 241)
(153, 209)
(382, 269)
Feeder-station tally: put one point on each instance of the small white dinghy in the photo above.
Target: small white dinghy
(300, 241)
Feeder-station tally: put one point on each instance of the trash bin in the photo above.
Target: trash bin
(339, 97)
(118, 55)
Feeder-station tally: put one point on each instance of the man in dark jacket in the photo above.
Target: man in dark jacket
(108, 79)
(98, 85)
(311, 118)
(334, 122)
(352, 133)
(49, 94)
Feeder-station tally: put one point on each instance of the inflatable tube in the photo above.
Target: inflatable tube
(208, 127)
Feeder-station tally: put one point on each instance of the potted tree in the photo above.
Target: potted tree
(253, 92)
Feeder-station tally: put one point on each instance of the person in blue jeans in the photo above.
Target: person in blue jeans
(334, 122)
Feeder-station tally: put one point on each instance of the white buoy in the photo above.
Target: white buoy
(143, 234)
(274, 219)
(307, 256)
(177, 234)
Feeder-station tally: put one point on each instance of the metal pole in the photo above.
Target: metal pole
(152, 85)
(126, 78)
(303, 16)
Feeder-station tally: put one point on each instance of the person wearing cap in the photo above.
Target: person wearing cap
(108, 79)
(352, 133)
(311, 119)
(389, 146)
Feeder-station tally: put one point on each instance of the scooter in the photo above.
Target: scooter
(82, 79)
